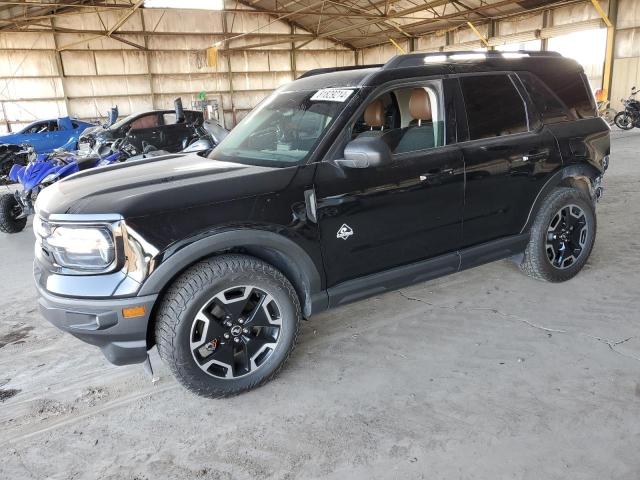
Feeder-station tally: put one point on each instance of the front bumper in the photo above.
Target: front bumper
(100, 322)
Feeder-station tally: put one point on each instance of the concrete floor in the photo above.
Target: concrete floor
(485, 374)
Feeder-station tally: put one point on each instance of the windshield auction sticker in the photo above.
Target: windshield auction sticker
(331, 95)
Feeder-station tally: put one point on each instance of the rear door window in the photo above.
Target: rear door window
(494, 106)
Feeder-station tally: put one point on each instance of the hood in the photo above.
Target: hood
(159, 184)
(92, 130)
(8, 138)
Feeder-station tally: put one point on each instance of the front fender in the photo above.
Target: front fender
(16, 172)
(272, 247)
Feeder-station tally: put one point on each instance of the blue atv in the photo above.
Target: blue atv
(44, 136)
(43, 170)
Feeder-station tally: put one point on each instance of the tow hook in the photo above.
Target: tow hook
(598, 189)
(599, 192)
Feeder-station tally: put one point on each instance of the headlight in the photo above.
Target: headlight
(79, 247)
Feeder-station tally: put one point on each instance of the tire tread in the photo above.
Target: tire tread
(535, 263)
(176, 301)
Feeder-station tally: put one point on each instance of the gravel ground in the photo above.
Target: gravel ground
(484, 374)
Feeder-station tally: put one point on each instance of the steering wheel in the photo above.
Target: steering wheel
(147, 147)
(117, 144)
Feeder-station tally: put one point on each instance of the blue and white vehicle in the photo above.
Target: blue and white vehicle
(47, 135)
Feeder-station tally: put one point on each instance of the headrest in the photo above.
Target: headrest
(420, 105)
(374, 114)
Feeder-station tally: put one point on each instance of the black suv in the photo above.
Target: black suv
(340, 185)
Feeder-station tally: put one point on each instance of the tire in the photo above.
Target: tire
(556, 252)
(623, 121)
(216, 303)
(9, 210)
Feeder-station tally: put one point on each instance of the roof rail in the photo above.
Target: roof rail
(418, 59)
(319, 71)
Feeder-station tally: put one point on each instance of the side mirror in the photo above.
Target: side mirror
(366, 152)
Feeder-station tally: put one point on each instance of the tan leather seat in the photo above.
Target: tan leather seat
(374, 114)
(420, 105)
(418, 136)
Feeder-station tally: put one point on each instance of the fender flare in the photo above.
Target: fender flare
(581, 170)
(274, 248)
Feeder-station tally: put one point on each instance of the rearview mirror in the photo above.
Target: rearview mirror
(366, 152)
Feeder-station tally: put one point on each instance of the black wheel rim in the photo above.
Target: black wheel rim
(15, 212)
(236, 332)
(624, 121)
(566, 236)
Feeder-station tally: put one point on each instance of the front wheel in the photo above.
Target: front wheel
(623, 120)
(562, 236)
(227, 325)
(11, 220)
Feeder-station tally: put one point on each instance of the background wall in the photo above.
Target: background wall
(84, 74)
(626, 63)
(46, 75)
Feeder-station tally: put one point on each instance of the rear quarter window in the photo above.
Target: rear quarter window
(572, 88)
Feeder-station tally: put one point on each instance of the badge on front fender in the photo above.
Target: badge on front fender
(345, 232)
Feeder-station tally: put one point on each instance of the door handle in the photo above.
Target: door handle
(535, 156)
(439, 173)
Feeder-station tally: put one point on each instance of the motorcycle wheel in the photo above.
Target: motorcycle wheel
(10, 211)
(623, 121)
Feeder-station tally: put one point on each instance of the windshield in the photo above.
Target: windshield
(281, 131)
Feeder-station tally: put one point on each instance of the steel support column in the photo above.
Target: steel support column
(609, 19)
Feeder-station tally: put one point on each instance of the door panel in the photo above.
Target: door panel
(151, 136)
(503, 178)
(373, 219)
(508, 156)
(173, 136)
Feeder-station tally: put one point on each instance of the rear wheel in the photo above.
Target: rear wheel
(562, 236)
(10, 211)
(227, 325)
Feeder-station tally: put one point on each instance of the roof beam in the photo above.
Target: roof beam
(408, 11)
(456, 15)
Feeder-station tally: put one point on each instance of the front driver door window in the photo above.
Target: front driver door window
(373, 219)
(145, 131)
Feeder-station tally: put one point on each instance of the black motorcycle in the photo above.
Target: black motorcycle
(630, 116)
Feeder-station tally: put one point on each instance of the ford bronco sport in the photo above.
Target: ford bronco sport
(342, 184)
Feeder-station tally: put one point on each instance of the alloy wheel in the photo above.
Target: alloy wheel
(236, 332)
(566, 236)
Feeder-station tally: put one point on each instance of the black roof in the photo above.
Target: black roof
(438, 63)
